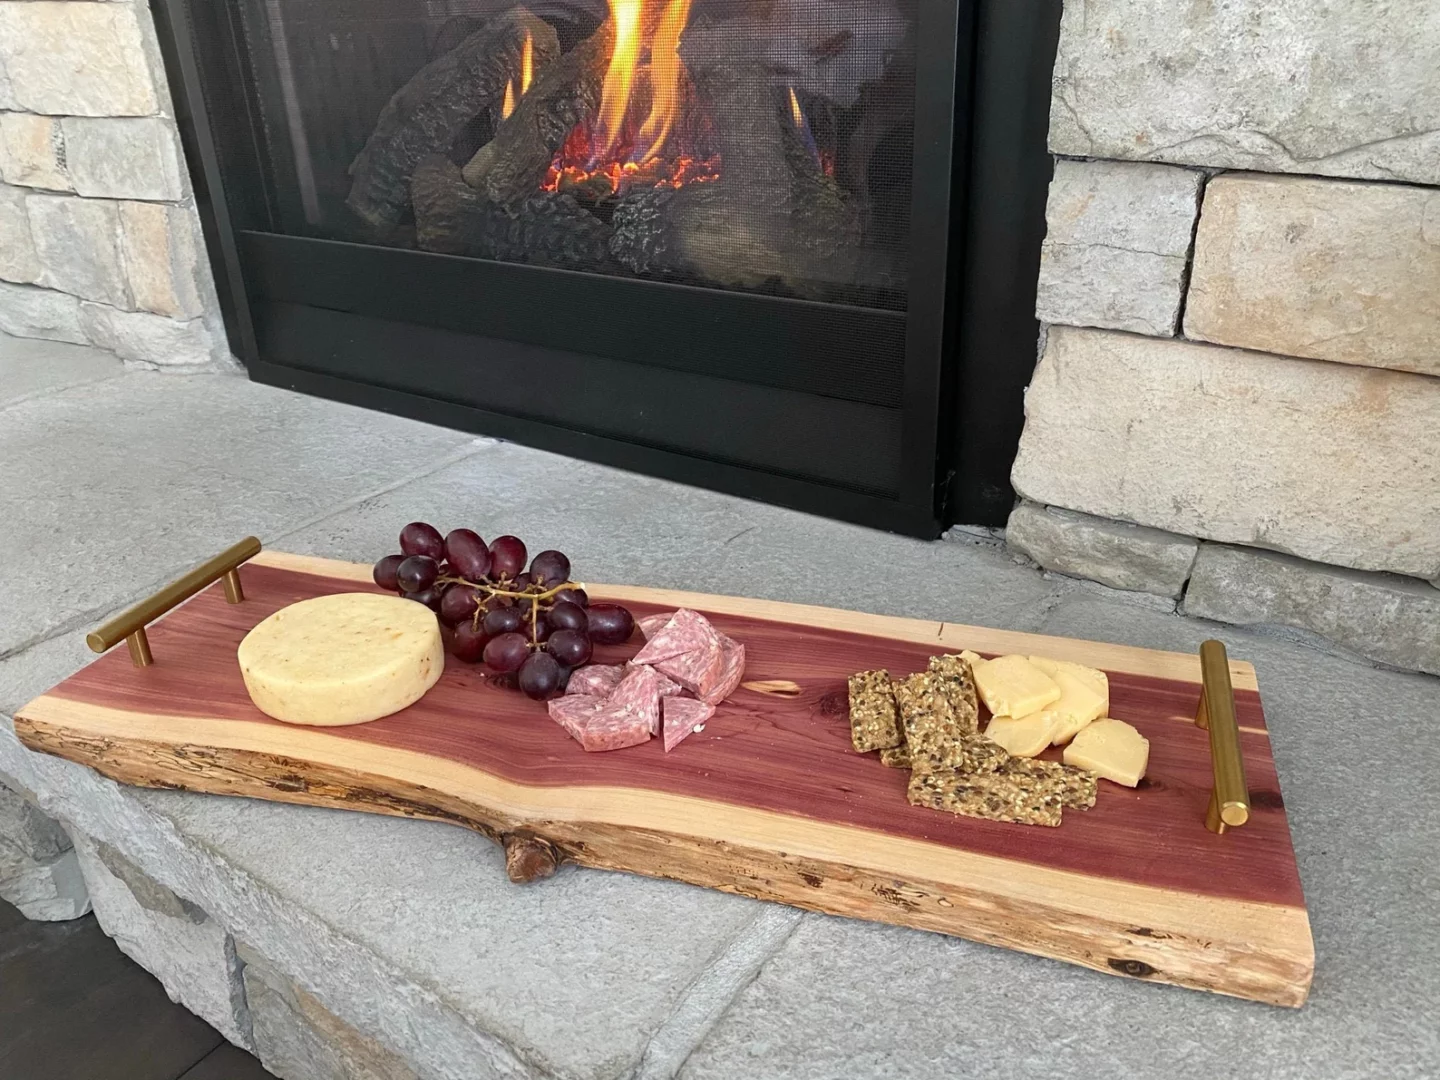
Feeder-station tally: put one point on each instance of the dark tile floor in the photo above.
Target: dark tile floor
(74, 1007)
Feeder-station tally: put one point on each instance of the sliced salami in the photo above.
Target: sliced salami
(699, 670)
(650, 624)
(683, 716)
(686, 632)
(668, 686)
(574, 711)
(599, 680)
(638, 694)
(597, 725)
(612, 728)
(732, 670)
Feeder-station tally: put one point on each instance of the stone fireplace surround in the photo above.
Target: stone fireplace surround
(1237, 404)
(99, 239)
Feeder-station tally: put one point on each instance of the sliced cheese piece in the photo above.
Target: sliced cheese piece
(1094, 678)
(342, 659)
(1112, 749)
(1023, 736)
(1084, 695)
(1013, 686)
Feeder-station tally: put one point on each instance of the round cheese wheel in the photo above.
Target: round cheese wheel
(342, 659)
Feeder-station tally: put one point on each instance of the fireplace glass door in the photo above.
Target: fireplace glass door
(710, 239)
(763, 146)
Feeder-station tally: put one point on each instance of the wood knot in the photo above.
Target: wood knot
(1136, 968)
(835, 703)
(529, 857)
(774, 687)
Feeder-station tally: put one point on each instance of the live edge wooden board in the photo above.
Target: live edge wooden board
(768, 801)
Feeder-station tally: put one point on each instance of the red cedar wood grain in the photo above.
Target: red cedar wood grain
(786, 758)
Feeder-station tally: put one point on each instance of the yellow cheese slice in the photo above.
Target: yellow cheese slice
(1013, 686)
(1024, 736)
(1112, 749)
(342, 659)
(1084, 695)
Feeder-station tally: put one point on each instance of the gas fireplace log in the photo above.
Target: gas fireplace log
(425, 115)
(772, 217)
(720, 235)
(543, 229)
(512, 165)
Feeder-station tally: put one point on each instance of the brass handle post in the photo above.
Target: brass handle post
(130, 626)
(1230, 798)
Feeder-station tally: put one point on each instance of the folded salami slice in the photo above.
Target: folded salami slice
(686, 632)
(638, 694)
(732, 670)
(650, 624)
(684, 715)
(597, 679)
(699, 670)
(668, 686)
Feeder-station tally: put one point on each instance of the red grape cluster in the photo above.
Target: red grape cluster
(535, 624)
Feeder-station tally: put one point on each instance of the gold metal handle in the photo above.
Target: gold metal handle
(131, 625)
(1230, 798)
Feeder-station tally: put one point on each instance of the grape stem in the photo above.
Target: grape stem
(491, 590)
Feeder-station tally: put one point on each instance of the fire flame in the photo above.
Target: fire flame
(666, 71)
(825, 159)
(795, 113)
(620, 77)
(527, 72)
(646, 78)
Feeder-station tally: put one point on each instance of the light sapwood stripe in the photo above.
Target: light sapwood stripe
(1181, 667)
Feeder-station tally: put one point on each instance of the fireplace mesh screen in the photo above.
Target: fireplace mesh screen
(755, 145)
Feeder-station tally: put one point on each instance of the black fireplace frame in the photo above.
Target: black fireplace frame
(352, 310)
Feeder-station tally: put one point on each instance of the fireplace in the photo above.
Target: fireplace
(718, 240)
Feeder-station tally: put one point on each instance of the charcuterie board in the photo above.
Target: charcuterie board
(769, 801)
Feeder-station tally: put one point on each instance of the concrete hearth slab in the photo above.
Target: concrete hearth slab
(576, 973)
(109, 489)
(30, 673)
(619, 527)
(29, 367)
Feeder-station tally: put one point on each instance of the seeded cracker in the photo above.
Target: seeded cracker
(873, 722)
(994, 796)
(959, 683)
(1077, 785)
(933, 733)
(896, 757)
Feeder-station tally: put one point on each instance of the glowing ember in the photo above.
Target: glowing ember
(647, 131)
(508, 105)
